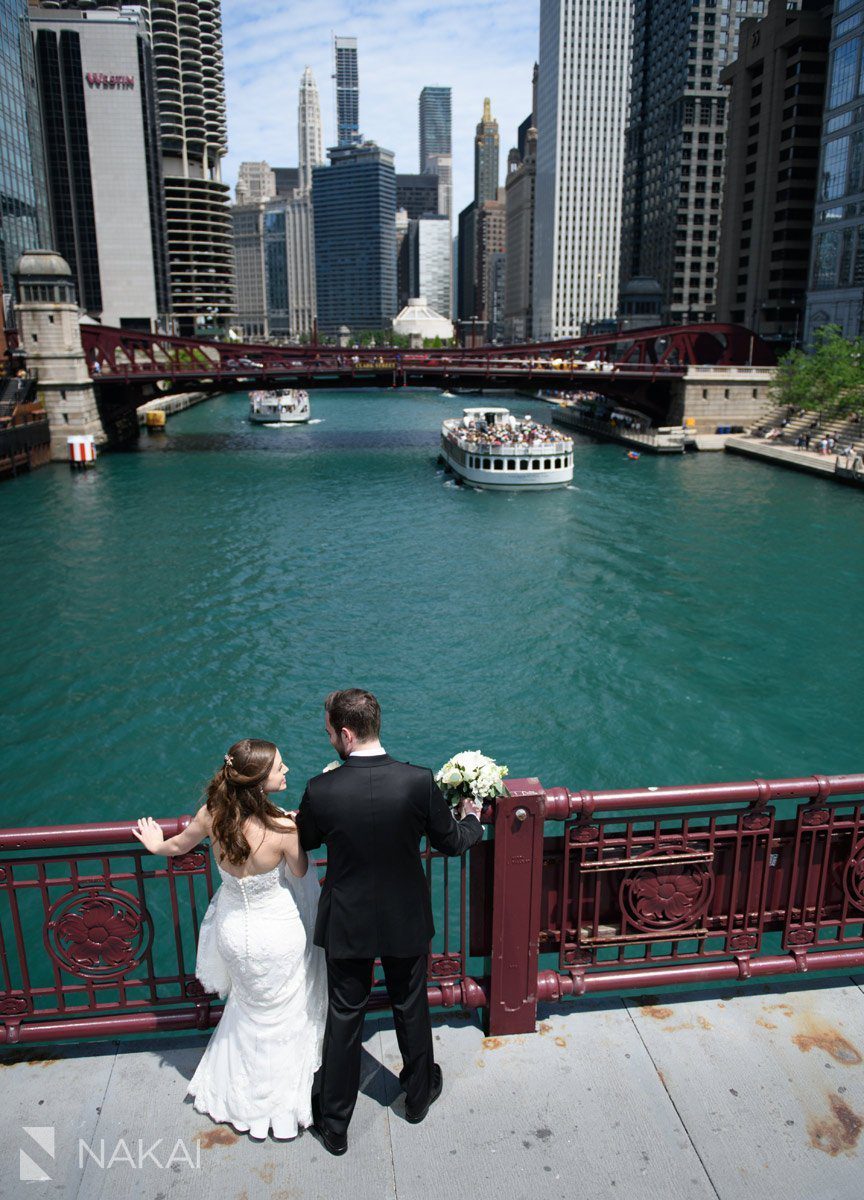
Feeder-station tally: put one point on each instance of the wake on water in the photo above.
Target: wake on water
(290, 425)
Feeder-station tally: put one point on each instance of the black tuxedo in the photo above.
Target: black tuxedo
(372, 813)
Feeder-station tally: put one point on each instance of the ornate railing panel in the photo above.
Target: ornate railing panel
(576, 892)
(649, 893)
(660, 886)
(98, 937)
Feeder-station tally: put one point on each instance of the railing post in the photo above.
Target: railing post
(517, 874)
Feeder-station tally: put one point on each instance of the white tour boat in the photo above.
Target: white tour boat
(282, 406)
(490, 448)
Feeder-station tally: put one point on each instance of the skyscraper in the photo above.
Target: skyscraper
(441, 166)
(519, 191)
(354, 201)
(486, 157)
(418, 195)
(309, 138)
(436, 159)
(835, 294)
(347, 91)
(95, 81)
(466, 264)
(675, 141)
(255, 181)
(24, 222)
(289, 266)
(519, 201)
(472, 257)
(429, 262)
(490, 248)
(250, 279)
(190, 88)
(770, 185)
(434, 123)
(580, 144)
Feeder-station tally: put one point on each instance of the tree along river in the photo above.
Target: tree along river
(666, 620)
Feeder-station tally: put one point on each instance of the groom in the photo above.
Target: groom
(372, 813)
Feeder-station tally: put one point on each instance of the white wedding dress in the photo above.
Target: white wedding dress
(256, 947)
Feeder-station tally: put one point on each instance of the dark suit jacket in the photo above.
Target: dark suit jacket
(372, 812)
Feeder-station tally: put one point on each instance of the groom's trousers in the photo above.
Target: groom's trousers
(350, 982)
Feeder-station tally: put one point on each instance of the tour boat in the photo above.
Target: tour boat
(282, 406)
(490, 448)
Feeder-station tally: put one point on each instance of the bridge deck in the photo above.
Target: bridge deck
(711, 1095)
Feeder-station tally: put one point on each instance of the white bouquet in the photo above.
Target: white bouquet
(471, 774)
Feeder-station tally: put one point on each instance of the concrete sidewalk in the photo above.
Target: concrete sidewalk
(710, 1095)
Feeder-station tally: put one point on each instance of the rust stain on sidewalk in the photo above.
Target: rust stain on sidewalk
(816, 1036)
(839, 1133)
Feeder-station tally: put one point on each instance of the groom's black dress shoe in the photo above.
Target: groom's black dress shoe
(333, 1143)
(434, 1092)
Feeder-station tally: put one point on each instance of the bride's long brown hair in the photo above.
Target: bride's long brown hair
(236, 793)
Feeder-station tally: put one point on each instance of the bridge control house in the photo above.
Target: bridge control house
(98, 111)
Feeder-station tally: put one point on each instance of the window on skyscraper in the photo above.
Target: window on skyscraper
(843, 70)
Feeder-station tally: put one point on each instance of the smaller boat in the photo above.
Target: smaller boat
(281, 406)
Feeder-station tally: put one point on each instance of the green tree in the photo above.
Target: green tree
(827, 379)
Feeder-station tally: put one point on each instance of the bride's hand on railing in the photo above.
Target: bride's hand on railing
(149, 834)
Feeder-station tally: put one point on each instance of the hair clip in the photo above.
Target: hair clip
(229, 761)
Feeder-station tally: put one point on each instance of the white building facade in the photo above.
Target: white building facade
(429, 262)
(310, 145)
(255, 181)
(95, 82)
(581, 114)
(300, 255)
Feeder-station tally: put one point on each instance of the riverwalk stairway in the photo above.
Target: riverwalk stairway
(843, 427)
(780, 444)
(710, 1095)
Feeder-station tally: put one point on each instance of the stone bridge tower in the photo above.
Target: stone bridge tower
(50, 336)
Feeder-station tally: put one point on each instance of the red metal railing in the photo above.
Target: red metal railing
(576, 892)
(98, 937)
(650, 895)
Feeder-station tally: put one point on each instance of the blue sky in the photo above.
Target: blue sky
(479, 48)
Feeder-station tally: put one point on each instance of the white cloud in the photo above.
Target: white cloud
(478, 49)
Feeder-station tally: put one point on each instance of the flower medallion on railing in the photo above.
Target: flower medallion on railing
(97, 933)
(445, 966)
(193, 861)
(13, 1006)
(854, 881)
(667, 897)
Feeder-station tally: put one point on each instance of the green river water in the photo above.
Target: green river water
(666, 620)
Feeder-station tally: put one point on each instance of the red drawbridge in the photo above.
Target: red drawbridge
(637, 356)
(636, 367)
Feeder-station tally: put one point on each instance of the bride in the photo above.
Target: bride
(255, 947)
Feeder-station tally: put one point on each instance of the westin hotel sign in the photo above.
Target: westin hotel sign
(96, 79)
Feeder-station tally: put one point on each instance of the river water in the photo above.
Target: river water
(663, 621)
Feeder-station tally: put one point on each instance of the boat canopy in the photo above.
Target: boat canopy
(492, 416)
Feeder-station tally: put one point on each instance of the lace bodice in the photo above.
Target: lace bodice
(253, 885)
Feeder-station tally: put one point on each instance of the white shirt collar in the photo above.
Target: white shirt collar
(370, 753)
